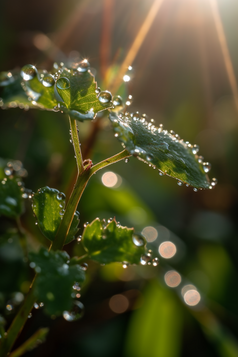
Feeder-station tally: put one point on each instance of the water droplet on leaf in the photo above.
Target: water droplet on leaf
(117, 101)
(63, 83)
(206, 167)
(47, 80)
(83, 66)
(214, 182)
(84, 266)
(28, 72)
(105, 97)
(138, 240)
(75, 313)
(195, 149)
(125, 265)
(155, 262)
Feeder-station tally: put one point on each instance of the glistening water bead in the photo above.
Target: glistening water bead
(28, 72)
(117, 101)
(138, 240)
(206, 167)
(47, 80)
(63, 83)
(75, 313)
(83, 66)
(105, 97)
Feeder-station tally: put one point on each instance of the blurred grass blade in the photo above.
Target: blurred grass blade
(48, 205)
(36, 339)
(107, 243)
(160, 149)
(156, 327)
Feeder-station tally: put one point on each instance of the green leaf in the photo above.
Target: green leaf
(12, 94)
(56, 276)
(69, 90)
(113, 243)
(48, 205)
(160, 149)
(11, 200)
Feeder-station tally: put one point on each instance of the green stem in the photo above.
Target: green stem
(74, 199)
(82, 180)
(17, 324)
(111, 160)
(76, 144)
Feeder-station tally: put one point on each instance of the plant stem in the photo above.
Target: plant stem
(76, 194)
(17, 324)
(111, 160)
(82, 180)
(76, 144)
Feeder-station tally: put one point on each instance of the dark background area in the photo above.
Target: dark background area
(184, 76)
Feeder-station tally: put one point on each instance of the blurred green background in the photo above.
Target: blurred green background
(184, 76)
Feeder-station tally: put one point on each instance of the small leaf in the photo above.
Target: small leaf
(48, 205)
(160, 149)
(12, 94)
(56, 276)
(11, 201)
(112, 243)
(70, 90)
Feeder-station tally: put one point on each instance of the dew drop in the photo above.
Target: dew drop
(5, 79)
(155, 262)
(8, 171)
(36, 306)
(97, 90)
(48, 80)
(129, 100)
(200, 159)
(75, 313)
(30, 315)
(86, 224)
(63, 83)
(83, 66)
(195, 189)
(160, 129)
(126, 161)
(9, 307)
(60, 196)
(116, 135)
(79, 238)
(149, 157)
(28, 72)
(117, 101)
(179, 183)
(138, 240)
(206, 167)
(125, 265)
(145, 259)
(76, 287)
(214, 182)
(195, 149)
(105, 97)
(84, 266)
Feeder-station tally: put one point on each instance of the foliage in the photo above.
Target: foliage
(73, 91)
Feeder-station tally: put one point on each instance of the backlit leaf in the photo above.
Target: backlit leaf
(48, 206)
(55, 277)
(160, 149)
(107, 243)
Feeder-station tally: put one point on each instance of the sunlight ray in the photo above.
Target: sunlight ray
(138, 41)
(225, 51)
